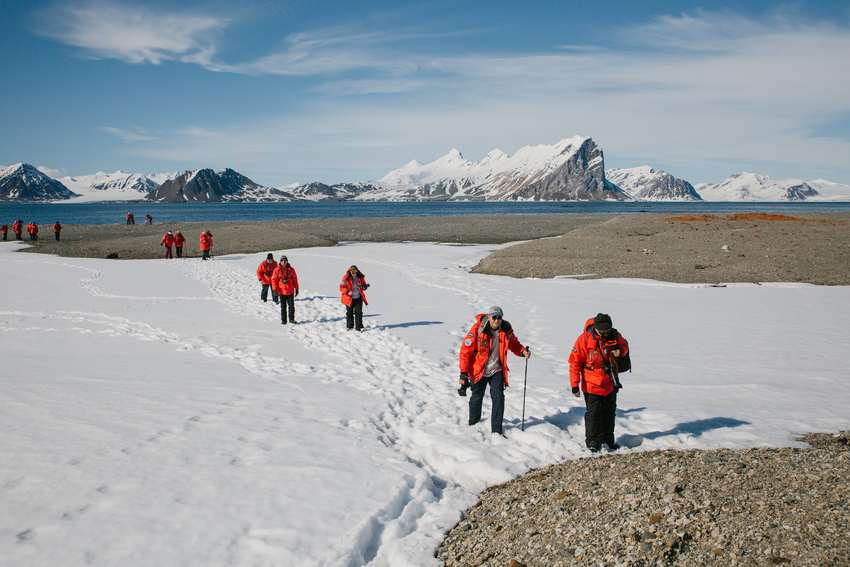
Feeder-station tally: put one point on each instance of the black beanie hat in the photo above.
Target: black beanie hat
(269, 256)
(602, 323)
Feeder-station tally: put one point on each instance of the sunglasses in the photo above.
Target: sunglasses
(496, 317)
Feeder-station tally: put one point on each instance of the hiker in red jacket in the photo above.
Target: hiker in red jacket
(285, 283)
(57, 228)
(352, 291)
(17, 228)
(179, 241)
(32, 229)
(484, 360)
(205, 243)
(592, 361)
(264, 274)
(168, 242)
(4, 230)
(131, 218)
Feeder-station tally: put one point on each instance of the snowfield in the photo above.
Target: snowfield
(156, 413)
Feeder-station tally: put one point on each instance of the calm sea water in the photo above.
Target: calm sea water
(112, 213)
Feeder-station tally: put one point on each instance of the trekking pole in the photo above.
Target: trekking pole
(524, 384)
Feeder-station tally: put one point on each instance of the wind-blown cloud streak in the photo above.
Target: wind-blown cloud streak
(133, 34)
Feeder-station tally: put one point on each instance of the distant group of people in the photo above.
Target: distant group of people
(32, 230)
(281, 279)
(131, 218)
(176, 240)
(599, 354)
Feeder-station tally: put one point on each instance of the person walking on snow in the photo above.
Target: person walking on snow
(484, 360)
(168, 242)
(352, 291)
(595, 352)
(264, 274)
(205, 244)
(17, 228)
(32, 229)
(4, 230)
(285, 284)
(179, 241)
(57, 228)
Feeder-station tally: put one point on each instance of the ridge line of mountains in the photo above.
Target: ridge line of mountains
(572, 169)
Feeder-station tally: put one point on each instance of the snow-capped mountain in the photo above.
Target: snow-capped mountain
(321, 192)
(572, 169)
(754, 187)
(116, 186)
(206, 185)
(24, 182)
(830, 190)
(646, 183)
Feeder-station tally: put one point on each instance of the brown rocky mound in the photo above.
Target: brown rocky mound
(717, 507)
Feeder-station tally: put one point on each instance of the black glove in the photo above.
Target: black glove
(576, 391)
(464, 384)
(365, 286)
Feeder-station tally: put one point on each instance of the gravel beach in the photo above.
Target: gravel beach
(720, 507)
(812, 248)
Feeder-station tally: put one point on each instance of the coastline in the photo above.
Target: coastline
(705, 248)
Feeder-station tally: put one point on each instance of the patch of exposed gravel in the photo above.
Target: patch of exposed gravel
(236, 237)
(784, 506)
(813, 248)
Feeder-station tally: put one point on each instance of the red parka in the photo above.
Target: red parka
(57, 227)
(179, 240)
(17, 227)
(475, 349)
(167, 240)
(346, 287)
(4, 228)
(205, 242)
(285, 280)
(265, 271)
(587, 362)
(32, 228)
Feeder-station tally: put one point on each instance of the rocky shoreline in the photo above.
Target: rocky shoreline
(786, 506)
(811, 248)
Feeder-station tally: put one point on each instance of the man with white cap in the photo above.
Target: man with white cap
(484, 360)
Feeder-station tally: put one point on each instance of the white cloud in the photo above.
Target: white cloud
(132, 135)
(50, 172)
(132, 33)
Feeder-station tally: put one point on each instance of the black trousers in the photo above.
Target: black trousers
(354, 314)
(56, 234)
(264, 293)
(599, 419)
(4, 236)
(205, 255)
(287, 303)
(179, 250)
(497, 396)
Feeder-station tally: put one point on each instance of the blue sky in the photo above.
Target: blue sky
(340, 91)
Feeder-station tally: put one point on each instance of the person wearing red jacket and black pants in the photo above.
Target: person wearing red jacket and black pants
(4, 230)
(484, 360)
(591, 360)
(352, 290)
(264, 275)
(285, 284)
(57, 229)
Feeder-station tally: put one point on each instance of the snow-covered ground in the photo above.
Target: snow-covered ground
(156, 413)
